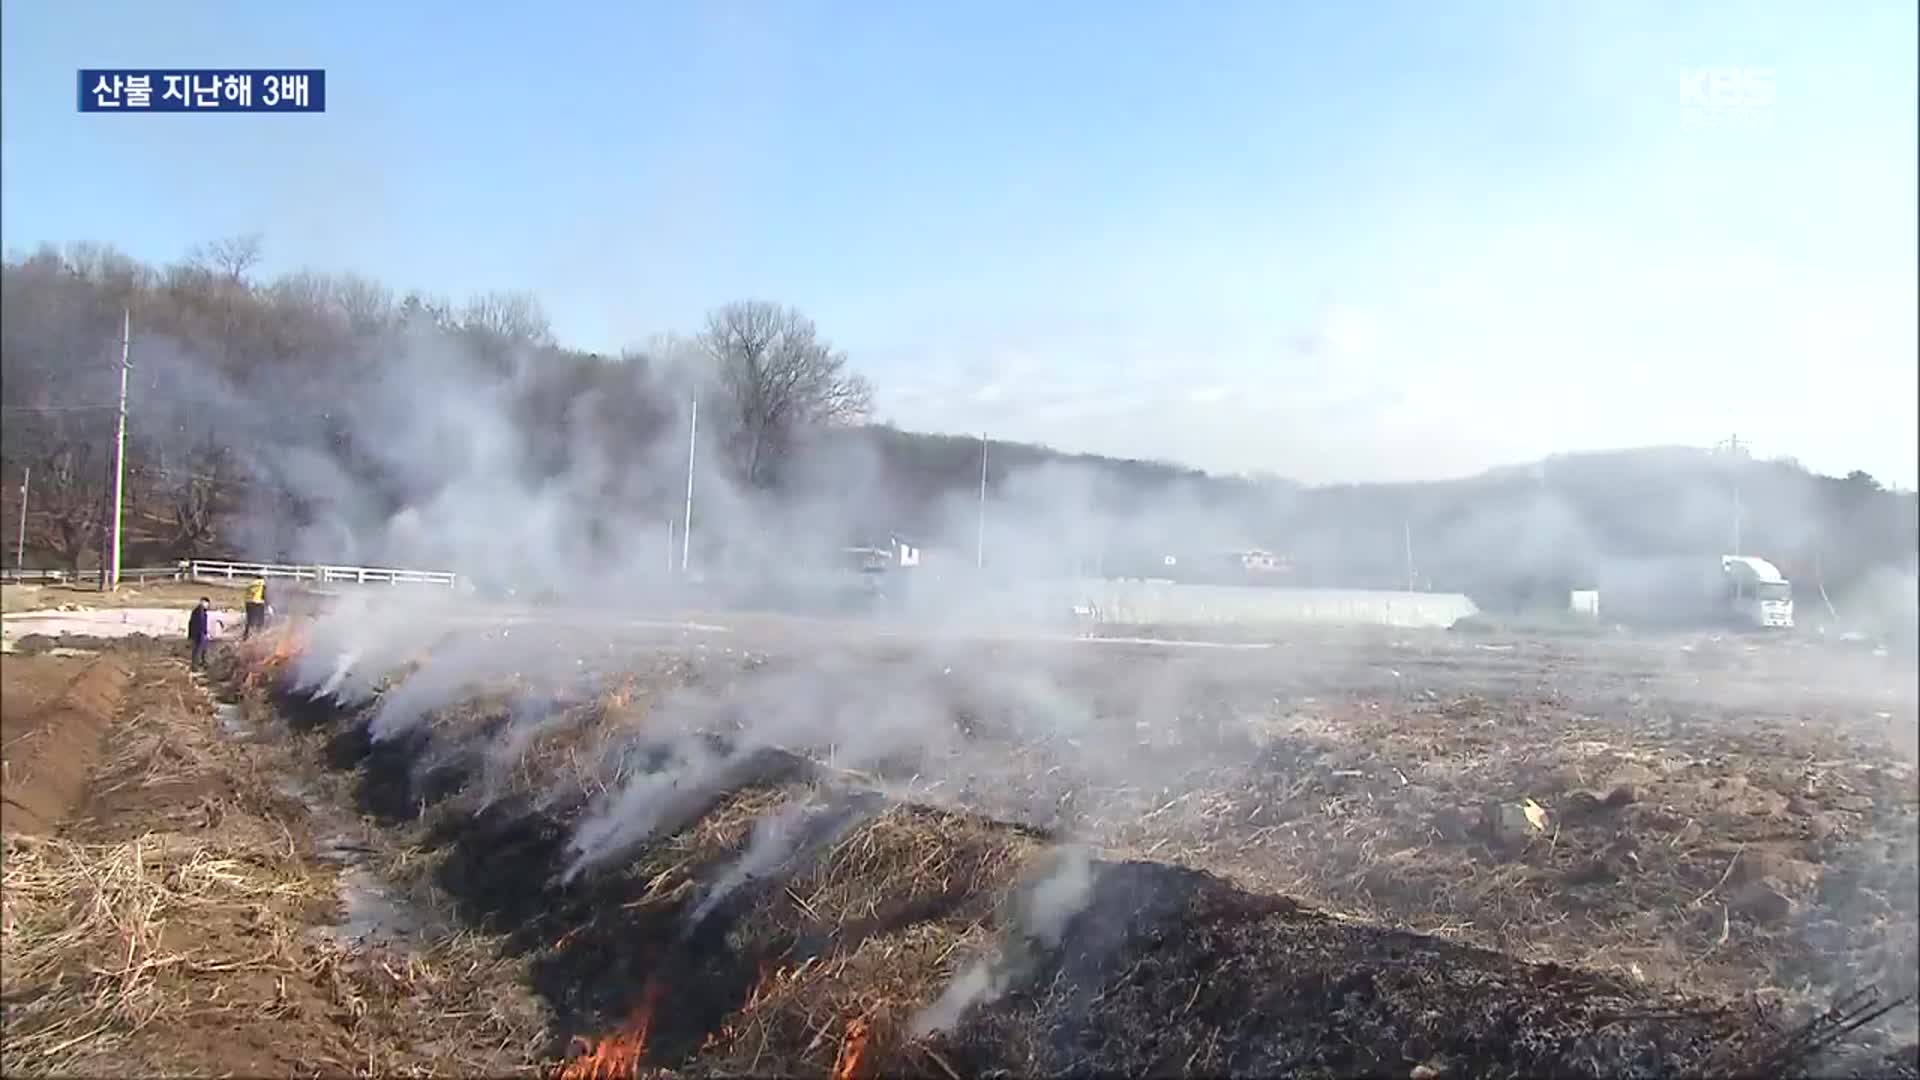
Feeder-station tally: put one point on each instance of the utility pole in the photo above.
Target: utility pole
(1734, 458)
(20, 546)
(686, 530)
(110, 558)
(1406, 527)
(980, 544)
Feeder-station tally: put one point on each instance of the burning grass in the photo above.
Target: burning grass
(616, 1056)
(263, 660)
(818, 956)
(863, 937)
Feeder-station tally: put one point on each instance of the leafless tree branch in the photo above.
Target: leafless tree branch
(776, 376)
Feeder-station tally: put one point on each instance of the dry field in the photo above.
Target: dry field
(1348, 853)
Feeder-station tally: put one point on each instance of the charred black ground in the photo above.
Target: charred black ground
(1165, 971)
(1173, 972)
(597, 942)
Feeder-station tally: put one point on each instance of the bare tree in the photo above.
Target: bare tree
(776, 376)
(69, 493)
(222, 267)
(368, 305)
(506, 318)
(426, 312)
(200, 496)
(230, 258)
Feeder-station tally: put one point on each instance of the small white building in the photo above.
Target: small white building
(905, 554)
(1584, 603)
(896, 555)
(1261, 561)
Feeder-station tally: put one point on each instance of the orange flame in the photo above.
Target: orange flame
(620, 696)
(618, 1054)
(266, 662)
(284, 649)
(852, 1048)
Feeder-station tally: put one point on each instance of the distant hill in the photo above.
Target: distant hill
(1515, 538)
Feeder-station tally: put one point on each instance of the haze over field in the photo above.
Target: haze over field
(1282, 245)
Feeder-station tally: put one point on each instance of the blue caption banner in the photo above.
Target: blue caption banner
(177, 90)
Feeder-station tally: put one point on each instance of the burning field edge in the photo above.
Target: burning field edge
(886, 936)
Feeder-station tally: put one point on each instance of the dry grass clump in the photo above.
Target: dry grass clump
(799, 1019)
(573, 744)
(138, 956)
(725, 827)
(674, 867)
(907, 864)
(451, 1007)
(877, 924)
(101, 940)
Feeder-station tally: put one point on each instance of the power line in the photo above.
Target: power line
(53, 408)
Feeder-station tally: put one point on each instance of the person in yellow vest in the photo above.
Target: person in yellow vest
(256, 607)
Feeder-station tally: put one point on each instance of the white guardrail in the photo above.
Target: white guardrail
(202, 570)
(321, 574)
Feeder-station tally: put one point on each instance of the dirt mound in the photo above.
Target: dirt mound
(49, 753)
(31, 684)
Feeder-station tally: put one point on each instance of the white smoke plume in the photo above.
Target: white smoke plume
(773, 840)
(565, 538)
(781, 840)
(654, 803)
(1041, 910)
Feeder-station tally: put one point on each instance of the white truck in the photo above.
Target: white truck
(1757, 594)
(1739, 590)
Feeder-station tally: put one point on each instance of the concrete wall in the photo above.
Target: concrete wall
(1067, 603)
(1150, 603)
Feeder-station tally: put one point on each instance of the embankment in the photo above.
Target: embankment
(48, 753)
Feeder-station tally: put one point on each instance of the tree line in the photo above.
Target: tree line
(227, 363)
(215, 346)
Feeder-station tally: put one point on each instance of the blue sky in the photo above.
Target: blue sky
(1337, 241)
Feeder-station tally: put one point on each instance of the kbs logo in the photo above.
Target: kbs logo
(1727, 97)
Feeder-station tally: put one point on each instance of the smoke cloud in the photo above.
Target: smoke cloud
(568, 530)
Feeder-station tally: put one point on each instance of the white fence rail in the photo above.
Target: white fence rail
(320, 574)
(204, 570)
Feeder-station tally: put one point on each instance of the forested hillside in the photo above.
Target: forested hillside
(329, 418)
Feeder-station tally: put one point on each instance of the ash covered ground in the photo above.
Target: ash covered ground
(765, 843)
